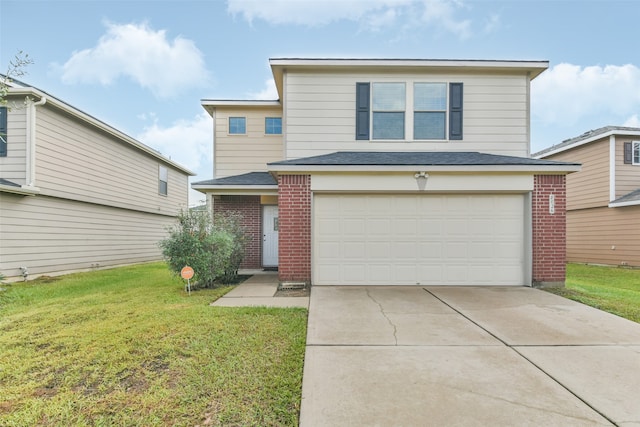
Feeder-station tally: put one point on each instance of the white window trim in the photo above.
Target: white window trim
(635, 145)
(229, 125)
(409, 111)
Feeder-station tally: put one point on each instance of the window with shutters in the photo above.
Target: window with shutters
(382, 114)
(3, 131)
(636, 152)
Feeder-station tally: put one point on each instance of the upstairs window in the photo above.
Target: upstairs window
(429, 110)
(388, 102)
(237, 125)
(273, 125)
(163, 180)
(3, 131)
(636, 152)
(632, 153)
(381, 109)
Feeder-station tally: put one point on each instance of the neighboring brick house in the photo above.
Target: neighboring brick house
(603, 199)
(77, 194)
(393, 172)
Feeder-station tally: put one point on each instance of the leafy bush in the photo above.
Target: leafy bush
(213, 248)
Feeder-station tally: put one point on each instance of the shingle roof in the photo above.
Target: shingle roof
(587, 135)
(251, 178)
(9, 183)
(634, 196)
(417, 158)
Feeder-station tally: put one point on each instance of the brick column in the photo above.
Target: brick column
(250, 210)
(549, 204)
(294, 234)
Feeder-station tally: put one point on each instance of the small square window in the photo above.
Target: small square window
(273, 126)
(238, 125)
(163, 180)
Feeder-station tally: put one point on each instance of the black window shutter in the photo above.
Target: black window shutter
(455, 111)
(3, 131)
(362, 110)
(628, 153)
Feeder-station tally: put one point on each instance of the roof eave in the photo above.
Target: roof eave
(31, 91)
(542, 154)
(542, 169)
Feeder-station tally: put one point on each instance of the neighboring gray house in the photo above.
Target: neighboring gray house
(77, 194)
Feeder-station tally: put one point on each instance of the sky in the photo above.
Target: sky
(143, 66)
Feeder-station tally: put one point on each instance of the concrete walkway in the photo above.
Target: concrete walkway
(259, 290)
(414, 356)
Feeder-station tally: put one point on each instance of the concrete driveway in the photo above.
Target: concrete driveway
(416, 356)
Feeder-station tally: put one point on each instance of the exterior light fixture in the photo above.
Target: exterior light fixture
(421, 179)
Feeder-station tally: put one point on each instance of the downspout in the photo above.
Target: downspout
(31, 140)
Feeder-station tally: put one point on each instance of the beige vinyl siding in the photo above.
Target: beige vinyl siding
(592, 235)
(14, 166)
(79, 162)
(590, 187)
(320, 110)
(238, 154)
(627, 176)
(49, 235)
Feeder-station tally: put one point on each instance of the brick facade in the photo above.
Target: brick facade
(294, 236)
(250, 209)
(549, 230)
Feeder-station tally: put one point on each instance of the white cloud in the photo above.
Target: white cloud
(144, 55)
(187, 142)
(567, 94)
(269, 93)
(370, 14)
(633, 121)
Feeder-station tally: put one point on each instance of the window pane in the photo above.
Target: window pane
(237, 125)
(163, 178)
(273, 126)
(636, 153)
(388, 125)
(430, 97)
(428, 125)
(388, 97)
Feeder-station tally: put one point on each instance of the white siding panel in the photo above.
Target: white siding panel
(79, 162)
(13, 167)
(49, 235)
(321, 107)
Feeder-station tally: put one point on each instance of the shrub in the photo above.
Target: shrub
(214, 249)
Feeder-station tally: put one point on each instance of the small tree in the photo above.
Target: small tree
(17, 68)
(213, 250)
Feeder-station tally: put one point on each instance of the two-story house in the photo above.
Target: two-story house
(77, 194)
(392, 172)
(603, 199)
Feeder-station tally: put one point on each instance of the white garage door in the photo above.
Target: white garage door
(418, 239)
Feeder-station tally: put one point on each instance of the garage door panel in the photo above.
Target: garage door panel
(427, 239)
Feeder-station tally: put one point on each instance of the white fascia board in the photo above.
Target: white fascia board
(587, 141)
(255, 190)
(100, 125)
(544, 169)
(278, 65)
(23, 190)
(622, 204)
(238, 103)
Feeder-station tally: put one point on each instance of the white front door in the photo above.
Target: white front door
(269, 236)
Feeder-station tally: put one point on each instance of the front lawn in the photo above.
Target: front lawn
(612, 289)
(128, 346)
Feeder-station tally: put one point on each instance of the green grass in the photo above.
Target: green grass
(128, 346)
(612, 289)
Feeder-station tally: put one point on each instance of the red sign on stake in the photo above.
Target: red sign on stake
(186, 272)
